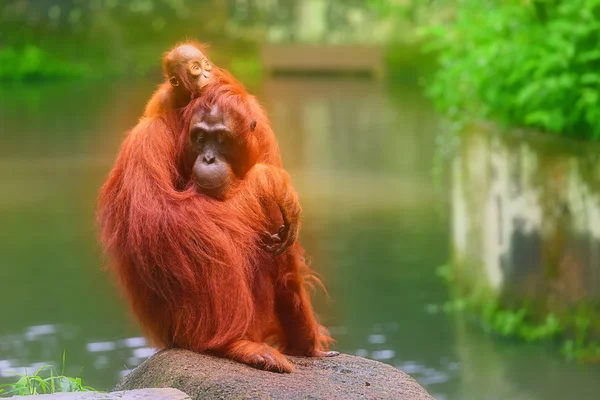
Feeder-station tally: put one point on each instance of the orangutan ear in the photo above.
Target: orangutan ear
(252, 125)
(173, 81)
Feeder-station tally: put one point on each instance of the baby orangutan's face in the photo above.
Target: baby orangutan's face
(188, 64)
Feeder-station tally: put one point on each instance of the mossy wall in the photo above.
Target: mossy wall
(526, 223)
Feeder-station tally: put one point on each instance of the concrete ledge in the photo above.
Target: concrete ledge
(206, 377)
(295, 58)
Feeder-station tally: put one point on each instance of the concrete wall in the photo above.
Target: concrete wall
(526, 217)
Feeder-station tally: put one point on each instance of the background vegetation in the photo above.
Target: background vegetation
(528, 63)
(57, 39)
(100, 38)
(44, 381)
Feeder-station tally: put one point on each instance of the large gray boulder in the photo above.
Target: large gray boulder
(206, 377)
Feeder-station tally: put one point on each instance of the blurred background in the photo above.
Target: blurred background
(443, 151)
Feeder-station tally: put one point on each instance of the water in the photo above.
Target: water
(360, 155)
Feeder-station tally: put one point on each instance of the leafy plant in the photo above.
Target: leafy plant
(531, 63)
(576, 329)
(505, 322)
(519, 323)
(39, 384)
(33, 63)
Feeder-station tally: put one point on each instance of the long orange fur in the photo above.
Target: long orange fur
(192, 267)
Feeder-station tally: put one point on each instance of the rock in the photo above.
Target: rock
(140, 394)
(207, 377)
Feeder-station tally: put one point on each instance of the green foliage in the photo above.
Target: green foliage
(529, 63)
(576, 330)
(581, 346)
(576, 350)
(127, 37)
(445, 272)
(38, 383)
(32, 63)
(105, 38)
(519, 323)
(504, 322)
(247, 69)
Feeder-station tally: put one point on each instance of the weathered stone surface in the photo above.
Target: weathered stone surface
(526, 218)
(206, 377)
(140, 394)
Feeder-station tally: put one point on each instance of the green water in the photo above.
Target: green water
(360, 156)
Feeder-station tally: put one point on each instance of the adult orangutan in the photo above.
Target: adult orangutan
(182, 215)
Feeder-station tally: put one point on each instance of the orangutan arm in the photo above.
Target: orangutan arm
(275, 184)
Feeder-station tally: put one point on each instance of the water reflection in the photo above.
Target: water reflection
(360, 154)
(41, 342)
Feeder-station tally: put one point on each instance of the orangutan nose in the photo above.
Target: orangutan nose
(208, 159)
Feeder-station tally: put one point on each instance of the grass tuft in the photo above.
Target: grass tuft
(44, 381)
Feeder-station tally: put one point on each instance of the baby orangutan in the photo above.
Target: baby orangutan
(187, 71)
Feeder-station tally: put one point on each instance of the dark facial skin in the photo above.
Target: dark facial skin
(213, 151)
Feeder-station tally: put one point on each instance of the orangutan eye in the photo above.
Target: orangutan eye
(195, 66)
(200, 138)
(220, 138)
